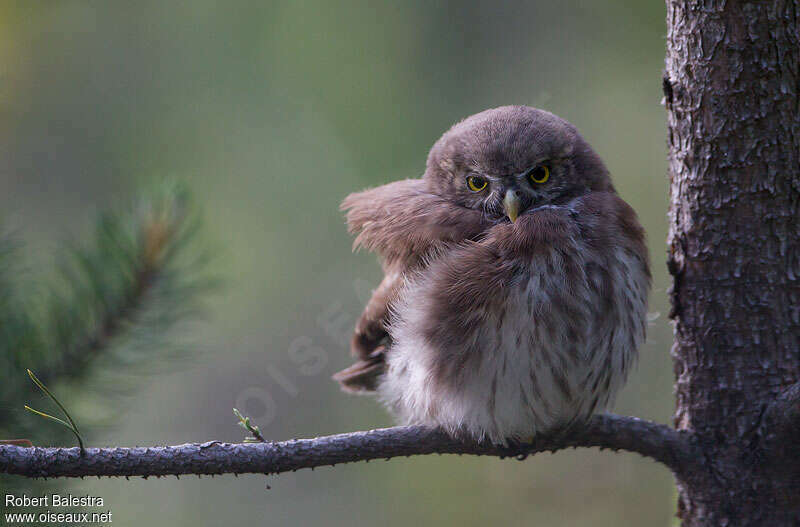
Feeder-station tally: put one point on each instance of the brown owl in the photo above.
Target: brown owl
(516, 281)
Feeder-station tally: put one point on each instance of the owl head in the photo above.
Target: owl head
(507, 160)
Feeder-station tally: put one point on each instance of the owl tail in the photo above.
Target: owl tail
(362, 377)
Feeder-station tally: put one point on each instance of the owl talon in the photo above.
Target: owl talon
(522, 447)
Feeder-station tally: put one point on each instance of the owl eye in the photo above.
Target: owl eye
(540, 174)
(476, 183)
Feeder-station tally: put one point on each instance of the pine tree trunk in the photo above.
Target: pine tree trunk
(731, 92)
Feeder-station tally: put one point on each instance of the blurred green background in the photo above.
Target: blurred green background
(272, 112)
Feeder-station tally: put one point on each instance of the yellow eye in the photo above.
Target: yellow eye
(476, 183)
(540, 174)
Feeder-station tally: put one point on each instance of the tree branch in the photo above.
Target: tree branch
(664, 444)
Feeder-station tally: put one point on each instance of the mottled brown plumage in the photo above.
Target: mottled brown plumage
(515, 286)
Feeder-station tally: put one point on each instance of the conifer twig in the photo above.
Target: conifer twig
(71, 424)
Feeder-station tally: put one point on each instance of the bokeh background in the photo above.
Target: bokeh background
(272, 112)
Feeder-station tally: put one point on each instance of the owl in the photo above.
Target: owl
(515, 285)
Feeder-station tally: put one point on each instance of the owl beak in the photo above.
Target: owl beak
(512, 203)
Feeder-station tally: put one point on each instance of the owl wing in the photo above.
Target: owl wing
(403, 222)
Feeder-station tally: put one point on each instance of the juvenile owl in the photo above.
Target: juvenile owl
(516, 279)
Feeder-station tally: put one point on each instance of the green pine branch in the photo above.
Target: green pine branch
(109, 310)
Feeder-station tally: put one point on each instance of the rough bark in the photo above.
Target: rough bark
(731, 92)
(674, 449)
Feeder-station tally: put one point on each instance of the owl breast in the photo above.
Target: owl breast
(545, 341)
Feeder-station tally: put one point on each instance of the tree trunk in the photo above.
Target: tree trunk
(731, 92)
